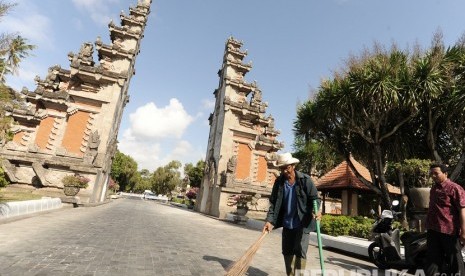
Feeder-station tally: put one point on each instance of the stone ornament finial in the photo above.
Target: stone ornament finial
(85, 54)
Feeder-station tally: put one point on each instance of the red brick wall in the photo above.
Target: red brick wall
(244, 156)
(262, 168)
(43, 133)
(18, 136)
(75, 132)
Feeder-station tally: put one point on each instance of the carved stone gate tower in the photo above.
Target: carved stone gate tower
(70, 122)
(242, 140)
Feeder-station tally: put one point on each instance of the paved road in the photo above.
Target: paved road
(137, 237)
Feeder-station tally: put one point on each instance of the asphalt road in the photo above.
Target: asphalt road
(137, 237)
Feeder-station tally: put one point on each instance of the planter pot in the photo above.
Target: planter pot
(241, 211)
(419, 198)
(71, 191)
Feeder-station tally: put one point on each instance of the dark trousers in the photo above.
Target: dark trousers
(443, 255)
(295, 242)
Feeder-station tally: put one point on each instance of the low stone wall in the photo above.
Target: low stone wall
(18, 208)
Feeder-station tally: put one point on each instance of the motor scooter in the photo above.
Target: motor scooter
(385, 251)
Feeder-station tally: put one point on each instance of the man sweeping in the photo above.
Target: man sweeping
(291, 207)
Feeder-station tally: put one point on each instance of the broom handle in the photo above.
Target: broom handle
(318, 235)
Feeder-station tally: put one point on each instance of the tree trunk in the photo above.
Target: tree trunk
(403, 202)
(458, 168)
(381, 180)
(430, 137)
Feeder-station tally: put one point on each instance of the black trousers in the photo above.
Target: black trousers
(295, 242)
(443, 255)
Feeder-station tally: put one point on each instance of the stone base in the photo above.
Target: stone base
(240, 219)
(75, 200)
(418, 221)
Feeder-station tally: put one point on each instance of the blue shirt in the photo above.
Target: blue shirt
(291, 219)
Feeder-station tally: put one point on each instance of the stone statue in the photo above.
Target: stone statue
(254, 201)
(85, 54)
(270, 123)
(94, 140)
(231, 167)
(92, 147)
(258, 95)
(86, 50)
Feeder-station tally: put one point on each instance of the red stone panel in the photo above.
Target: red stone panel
(43, 133)
(262, 168)
(244, 156)
(18, 137)
(75, 132)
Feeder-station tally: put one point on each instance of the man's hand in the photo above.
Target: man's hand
(462, 226)
(268, 227)
(317, 216)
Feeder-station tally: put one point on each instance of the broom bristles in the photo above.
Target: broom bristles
(241, 266)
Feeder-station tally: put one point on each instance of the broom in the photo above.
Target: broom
(240, 266)
(320, 245)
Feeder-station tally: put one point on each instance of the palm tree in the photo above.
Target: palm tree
(16, 51)
(5, 7)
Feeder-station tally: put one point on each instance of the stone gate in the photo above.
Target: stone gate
(242, 141)
(69, 124)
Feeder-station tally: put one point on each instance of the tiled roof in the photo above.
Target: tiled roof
(342, 177)
(393, 189)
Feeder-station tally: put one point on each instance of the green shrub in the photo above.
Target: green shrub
(181, 200)
(3, 181)
(346, 226)
(362, 227)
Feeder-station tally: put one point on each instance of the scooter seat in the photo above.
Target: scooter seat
(410, 236)
(392, 253)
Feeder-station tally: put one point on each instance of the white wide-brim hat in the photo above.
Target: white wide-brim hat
(285, 159)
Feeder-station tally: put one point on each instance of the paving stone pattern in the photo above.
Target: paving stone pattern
(137, 237)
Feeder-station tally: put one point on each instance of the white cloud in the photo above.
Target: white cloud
(146, 154)
(182, 148)
(170, 121)
(98, 10)
(32, 25)
(186, 153)
(151, 154)
(25, 77)
(153, 138)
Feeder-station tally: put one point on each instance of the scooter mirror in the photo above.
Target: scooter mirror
(395, 202)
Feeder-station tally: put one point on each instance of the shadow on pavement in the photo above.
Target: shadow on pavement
(226, 263)
(349, 265)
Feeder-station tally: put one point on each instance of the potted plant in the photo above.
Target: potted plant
(73, 183)
(192, 195)
(417, 181)
(240, 201)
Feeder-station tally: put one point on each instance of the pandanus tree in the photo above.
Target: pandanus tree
(366, 105)
(439, 78)
(455, 117)
(392, 105)
(316, 141)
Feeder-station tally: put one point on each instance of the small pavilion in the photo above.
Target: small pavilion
(357, 197)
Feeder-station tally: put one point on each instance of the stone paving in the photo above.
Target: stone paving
(137, 237)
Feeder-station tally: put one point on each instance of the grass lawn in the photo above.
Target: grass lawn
(14, 194)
